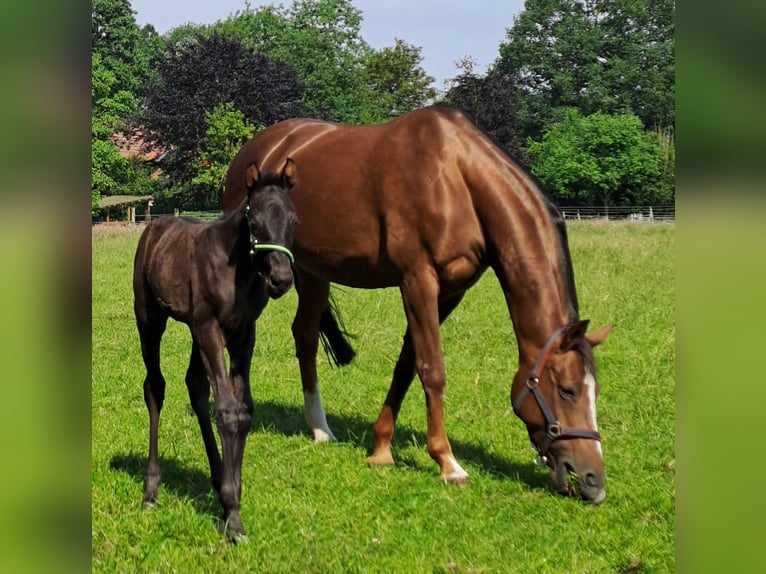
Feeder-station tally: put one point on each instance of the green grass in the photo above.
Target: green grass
(319, 508)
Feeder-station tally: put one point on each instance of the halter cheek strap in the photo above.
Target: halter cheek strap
(553, 429)
(256, 245)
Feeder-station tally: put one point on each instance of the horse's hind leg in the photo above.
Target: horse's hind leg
(404, 373)
(150, 330)
(199, 396)
(313, 296)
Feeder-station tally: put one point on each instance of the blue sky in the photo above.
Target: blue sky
(445, 30)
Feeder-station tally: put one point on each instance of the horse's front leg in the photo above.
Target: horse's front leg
(313, 296)
(232, 418)
(404, 372)
(420, 296)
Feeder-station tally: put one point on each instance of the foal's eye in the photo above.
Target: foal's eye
(567, 393)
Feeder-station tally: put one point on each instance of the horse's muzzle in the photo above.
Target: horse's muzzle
(279, 281)
(582, 481)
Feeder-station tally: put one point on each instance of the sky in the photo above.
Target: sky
(445, 30)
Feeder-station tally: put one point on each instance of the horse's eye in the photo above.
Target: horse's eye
(567, 393)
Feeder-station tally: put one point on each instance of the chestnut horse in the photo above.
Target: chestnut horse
(426, 203)
(216, 277)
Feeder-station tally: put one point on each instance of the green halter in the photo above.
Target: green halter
(255, 245)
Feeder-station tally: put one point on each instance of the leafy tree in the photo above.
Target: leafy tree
(610, 56)
(194, 78)
(395, 79)
(320, 40)
(110, 172)
(343, 78)
(227, 130)
(123, 47)
(602, 159)
(121, 56)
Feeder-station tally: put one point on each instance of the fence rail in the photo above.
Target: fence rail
(641, 214)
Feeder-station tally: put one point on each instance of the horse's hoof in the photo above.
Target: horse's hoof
(321, 435)
(380, 459)
(459, 478)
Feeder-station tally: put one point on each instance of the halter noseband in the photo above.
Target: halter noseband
(553, 431)
(256, 245)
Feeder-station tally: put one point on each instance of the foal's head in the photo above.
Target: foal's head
(557, 402)
(271, 219)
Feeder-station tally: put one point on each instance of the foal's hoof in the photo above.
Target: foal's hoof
(233, 529)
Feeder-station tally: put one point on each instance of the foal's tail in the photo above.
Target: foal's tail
(335, 338)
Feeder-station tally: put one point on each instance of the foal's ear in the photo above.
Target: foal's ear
(289, 175)
(598, 337)
(252, 176)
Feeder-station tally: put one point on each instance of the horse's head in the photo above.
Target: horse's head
(271, 219)
(556, 399)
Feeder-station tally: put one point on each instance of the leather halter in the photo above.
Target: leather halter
(553, 431)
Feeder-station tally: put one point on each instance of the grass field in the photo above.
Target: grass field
(319, 508)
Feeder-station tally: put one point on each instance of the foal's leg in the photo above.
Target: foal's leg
(232, 419)
(420, 295)
(199, 396)
(151, 325)
(404, 373)
(313, 297)
(241, 355)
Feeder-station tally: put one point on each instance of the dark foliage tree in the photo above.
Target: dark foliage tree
(488, 101)
(195, 77)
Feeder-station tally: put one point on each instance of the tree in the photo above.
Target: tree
(123, 47)
(609, 56)
(343, 78)
(320, 40)
(120, 65)
(227, 130)
(602, 159)
(488, 101)
(198, 75)
(110, 172)
(396, 81)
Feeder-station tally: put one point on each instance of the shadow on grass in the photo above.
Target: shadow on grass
(289, 421)
(183, 481)
(178, 480)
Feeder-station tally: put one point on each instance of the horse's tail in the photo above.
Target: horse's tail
(334, 337)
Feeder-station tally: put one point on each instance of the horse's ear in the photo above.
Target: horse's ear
(598, 337)
(252, 176)
(289, 174)
(573, 335)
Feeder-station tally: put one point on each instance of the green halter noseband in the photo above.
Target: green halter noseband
(255, 245)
